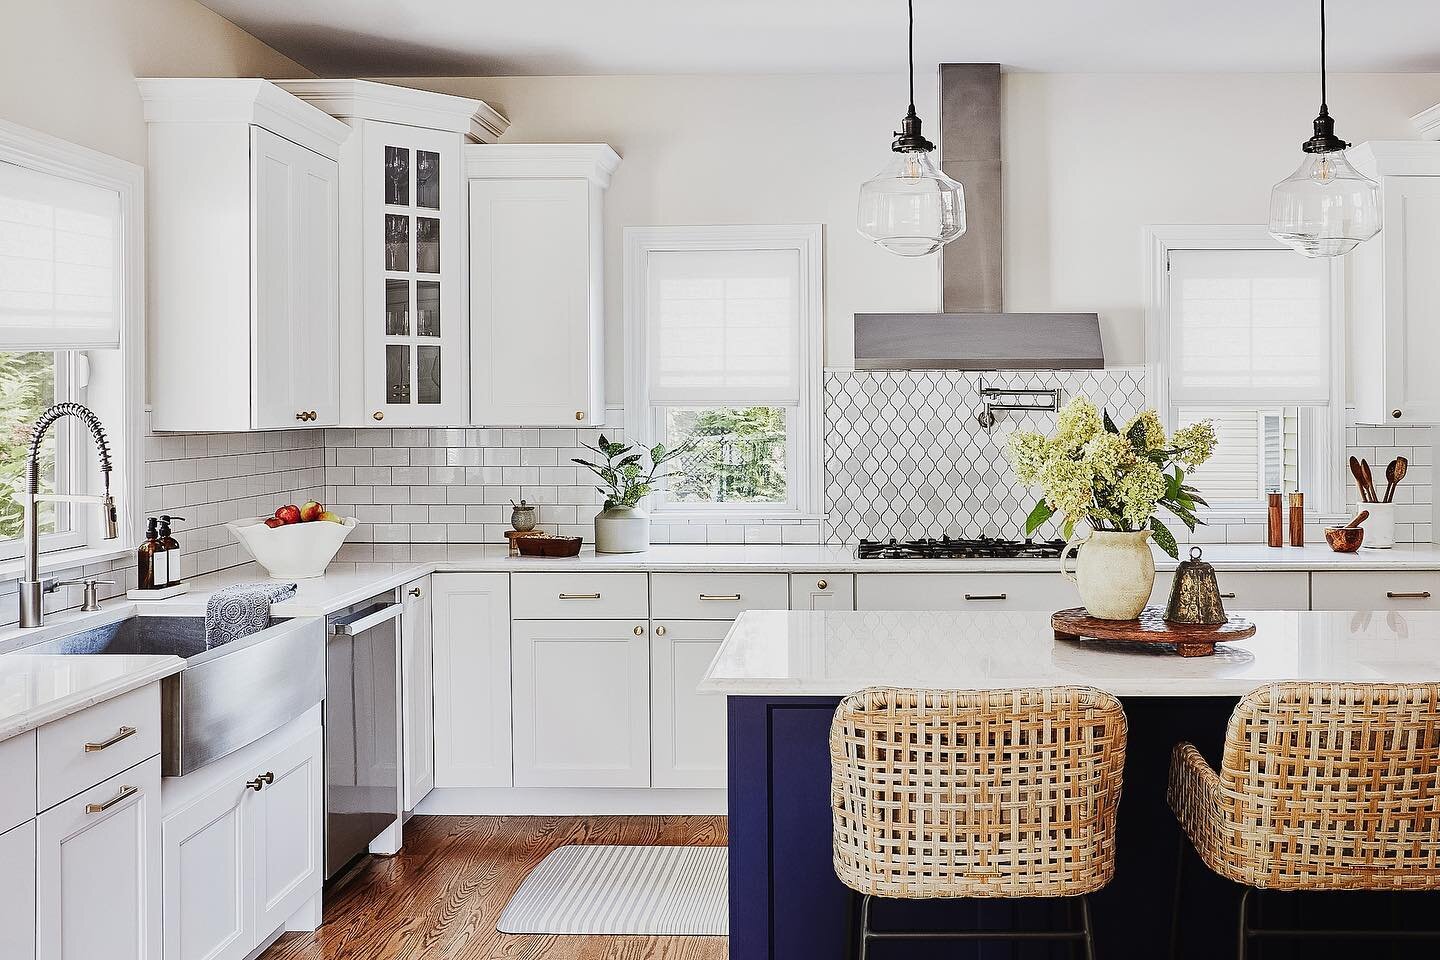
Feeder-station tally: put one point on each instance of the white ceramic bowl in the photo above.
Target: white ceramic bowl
(296, 551)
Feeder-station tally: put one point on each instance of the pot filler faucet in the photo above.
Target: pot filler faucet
(32, 589)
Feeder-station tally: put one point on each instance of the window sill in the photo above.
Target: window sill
(12, 570)
(733, 516)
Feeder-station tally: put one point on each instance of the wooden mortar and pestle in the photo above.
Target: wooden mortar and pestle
(1347, 539)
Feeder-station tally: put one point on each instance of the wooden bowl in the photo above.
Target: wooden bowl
(1344, 539)
(548, 546)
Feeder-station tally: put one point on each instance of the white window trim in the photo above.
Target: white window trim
(42, 152)
(1326, 498)
(804, 455)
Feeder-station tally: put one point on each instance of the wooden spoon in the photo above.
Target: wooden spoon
(1360, 518)
(1393, 475)
(1359, 476)
(1369, 479)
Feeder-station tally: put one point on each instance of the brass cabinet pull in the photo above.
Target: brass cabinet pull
(1227, 596)
(415, 591)
(260, 782)
(639, 631)
(579, 414)
(123, 733)
(300, 415)
(659, 631)
(733, 597)
(378, 415)
(822, 584)
(1419, 595)
(985, 596)
(125, 792)
(579, 596)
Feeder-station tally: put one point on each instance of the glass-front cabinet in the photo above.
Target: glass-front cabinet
(415, 329)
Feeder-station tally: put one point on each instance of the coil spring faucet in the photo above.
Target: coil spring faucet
(32, 588)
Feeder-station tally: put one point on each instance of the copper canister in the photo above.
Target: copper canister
(1297, 519)
(1276, 519)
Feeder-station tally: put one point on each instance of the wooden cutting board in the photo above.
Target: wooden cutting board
(1189, 639)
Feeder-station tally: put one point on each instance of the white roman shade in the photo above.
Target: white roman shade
(723, 326)
(61, 247)
(1249, 327)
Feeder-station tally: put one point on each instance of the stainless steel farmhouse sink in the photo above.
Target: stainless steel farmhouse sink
(226, 697)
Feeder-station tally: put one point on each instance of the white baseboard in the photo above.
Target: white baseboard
(570, 802)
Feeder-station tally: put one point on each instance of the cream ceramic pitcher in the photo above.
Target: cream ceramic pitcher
(1114, 570)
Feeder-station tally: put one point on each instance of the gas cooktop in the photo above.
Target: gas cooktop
(946, 548)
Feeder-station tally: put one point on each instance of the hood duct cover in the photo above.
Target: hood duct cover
(974, 333)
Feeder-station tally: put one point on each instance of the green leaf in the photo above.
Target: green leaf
(1068, 530)
(1038, 516)
(1164, 537)
(1136, 435)
(1109, 424)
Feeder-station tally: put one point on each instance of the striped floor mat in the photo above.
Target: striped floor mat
(594, 889)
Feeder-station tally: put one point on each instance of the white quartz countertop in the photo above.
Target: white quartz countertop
(775, 653)
(36, 689)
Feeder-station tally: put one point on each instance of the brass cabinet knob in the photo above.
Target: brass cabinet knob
(659, 631)
(314, 416)
(300, 415)
(1395, 414)
(414, 591)
(378, 414)
(822, 584)
(261, 782)
(579, 414)
(639, 631)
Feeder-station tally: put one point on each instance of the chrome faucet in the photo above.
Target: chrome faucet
(32, 589)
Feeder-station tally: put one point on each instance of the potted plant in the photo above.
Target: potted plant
(1112, 480)
(621, 526)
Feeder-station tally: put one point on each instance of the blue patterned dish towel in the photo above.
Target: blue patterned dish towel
(240, 610)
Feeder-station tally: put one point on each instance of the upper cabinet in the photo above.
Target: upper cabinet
(243, 199)
(404, 338)
(536, 283)
(1395, 295)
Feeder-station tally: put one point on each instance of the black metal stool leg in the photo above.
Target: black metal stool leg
(852, 915)
(1087, 927)
(864, 927)
(1242, 937)
(1179, 898)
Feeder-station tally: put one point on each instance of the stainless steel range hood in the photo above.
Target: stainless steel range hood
(974, 332)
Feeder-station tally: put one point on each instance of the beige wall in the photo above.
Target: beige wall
(67, 67)
(1090, 160)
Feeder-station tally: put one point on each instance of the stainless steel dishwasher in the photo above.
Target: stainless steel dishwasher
(362, 728)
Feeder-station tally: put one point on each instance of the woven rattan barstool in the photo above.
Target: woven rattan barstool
(1320, 787)
(976, 794)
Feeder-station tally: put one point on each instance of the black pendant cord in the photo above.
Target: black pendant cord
(1324, 139)
(910, 4)
(909, 139)
(1324, 106)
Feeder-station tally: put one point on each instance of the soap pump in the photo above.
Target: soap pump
(152, 570)
(171, 546)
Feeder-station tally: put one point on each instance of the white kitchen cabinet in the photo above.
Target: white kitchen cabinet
(963, 591)
(1251, 590)
(1375, 590)
(1395, 295)
(404, 343)
(470, 617)
(822, 591)
(417, 691)
(243, 311)
(582, 703)
(97, 866)
(242, 845)
(536, 282)
(17, 892)
(687, 730)
(716, 596)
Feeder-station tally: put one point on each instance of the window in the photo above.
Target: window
(70, 305)
(1247, 334)
(723, 350)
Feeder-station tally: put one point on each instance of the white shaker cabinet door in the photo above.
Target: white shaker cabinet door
(296, 284)
(207, 886)
(470, 622)
(417, 691)
(822, 591)
(535, 309)
(17, 892)
(687, 728)
(582, 703)
(289, 831)
(98, 871)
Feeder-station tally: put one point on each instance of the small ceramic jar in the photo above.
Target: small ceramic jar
(522, 517)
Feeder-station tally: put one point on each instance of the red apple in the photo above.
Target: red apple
(273, 522)
(311, 510)
(288, 513)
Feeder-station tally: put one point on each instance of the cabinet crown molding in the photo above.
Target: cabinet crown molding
(1398, 158)
(1427, 123)
(542, 161)
(247, 101)
(390, 103)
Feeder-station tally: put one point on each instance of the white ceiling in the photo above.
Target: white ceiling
(583, 37)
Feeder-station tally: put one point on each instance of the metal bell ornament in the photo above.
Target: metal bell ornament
(1195, 595)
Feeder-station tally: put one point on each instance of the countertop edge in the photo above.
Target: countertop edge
(27, 720)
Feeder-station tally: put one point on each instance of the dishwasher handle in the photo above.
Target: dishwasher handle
(366, 619)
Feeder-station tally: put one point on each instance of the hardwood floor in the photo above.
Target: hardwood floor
(441, 896)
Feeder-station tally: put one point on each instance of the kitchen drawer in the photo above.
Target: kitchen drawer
(822, 591)
(85, 748)
(579, 596)
(1377, 590)
(1248, 591)
(716, 596)
(17, 785)
(963, 591)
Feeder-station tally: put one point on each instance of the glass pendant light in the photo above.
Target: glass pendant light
(911, 208)
(1326, 208)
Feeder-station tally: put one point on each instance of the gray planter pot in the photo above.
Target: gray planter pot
(622, 530)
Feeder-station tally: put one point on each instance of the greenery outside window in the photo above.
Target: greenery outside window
(29, 383)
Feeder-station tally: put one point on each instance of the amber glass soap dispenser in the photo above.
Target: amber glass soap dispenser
(153, 572)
